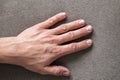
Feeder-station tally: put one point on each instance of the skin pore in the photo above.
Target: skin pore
(38, 46)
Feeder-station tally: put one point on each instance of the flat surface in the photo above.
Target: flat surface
(101, 62)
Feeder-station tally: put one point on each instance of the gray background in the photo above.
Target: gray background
(101, 62)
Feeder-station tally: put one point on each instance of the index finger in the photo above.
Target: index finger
(53, 20)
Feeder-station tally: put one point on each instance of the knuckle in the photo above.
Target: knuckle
(53, 20)
(74, 46)
(64, 27)
(53, 40)
(56, 50)
(71, 34)
(58, 72)
(50, 39)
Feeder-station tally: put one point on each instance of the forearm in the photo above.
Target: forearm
(6, 49)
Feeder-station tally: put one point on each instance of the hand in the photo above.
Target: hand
(38, 46)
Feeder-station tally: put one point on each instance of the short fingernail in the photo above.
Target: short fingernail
(81, 21)
(63, 14)
(89, 28)
(66, 73)
(89, 42)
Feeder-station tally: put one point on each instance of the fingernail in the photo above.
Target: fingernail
(66, 73)
(81, 21)
(63, 14)
(89, 28)
(89, 42)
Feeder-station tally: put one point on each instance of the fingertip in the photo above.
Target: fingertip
(63, 14)
(81, 21)
(66, 73)
(89, 28)
(89, 42)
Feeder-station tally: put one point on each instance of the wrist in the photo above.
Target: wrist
(6, 49)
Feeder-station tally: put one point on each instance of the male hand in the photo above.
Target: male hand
(38, 46)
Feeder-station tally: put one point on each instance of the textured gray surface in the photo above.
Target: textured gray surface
(101, 62)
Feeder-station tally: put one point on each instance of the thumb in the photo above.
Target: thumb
(57, 70)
